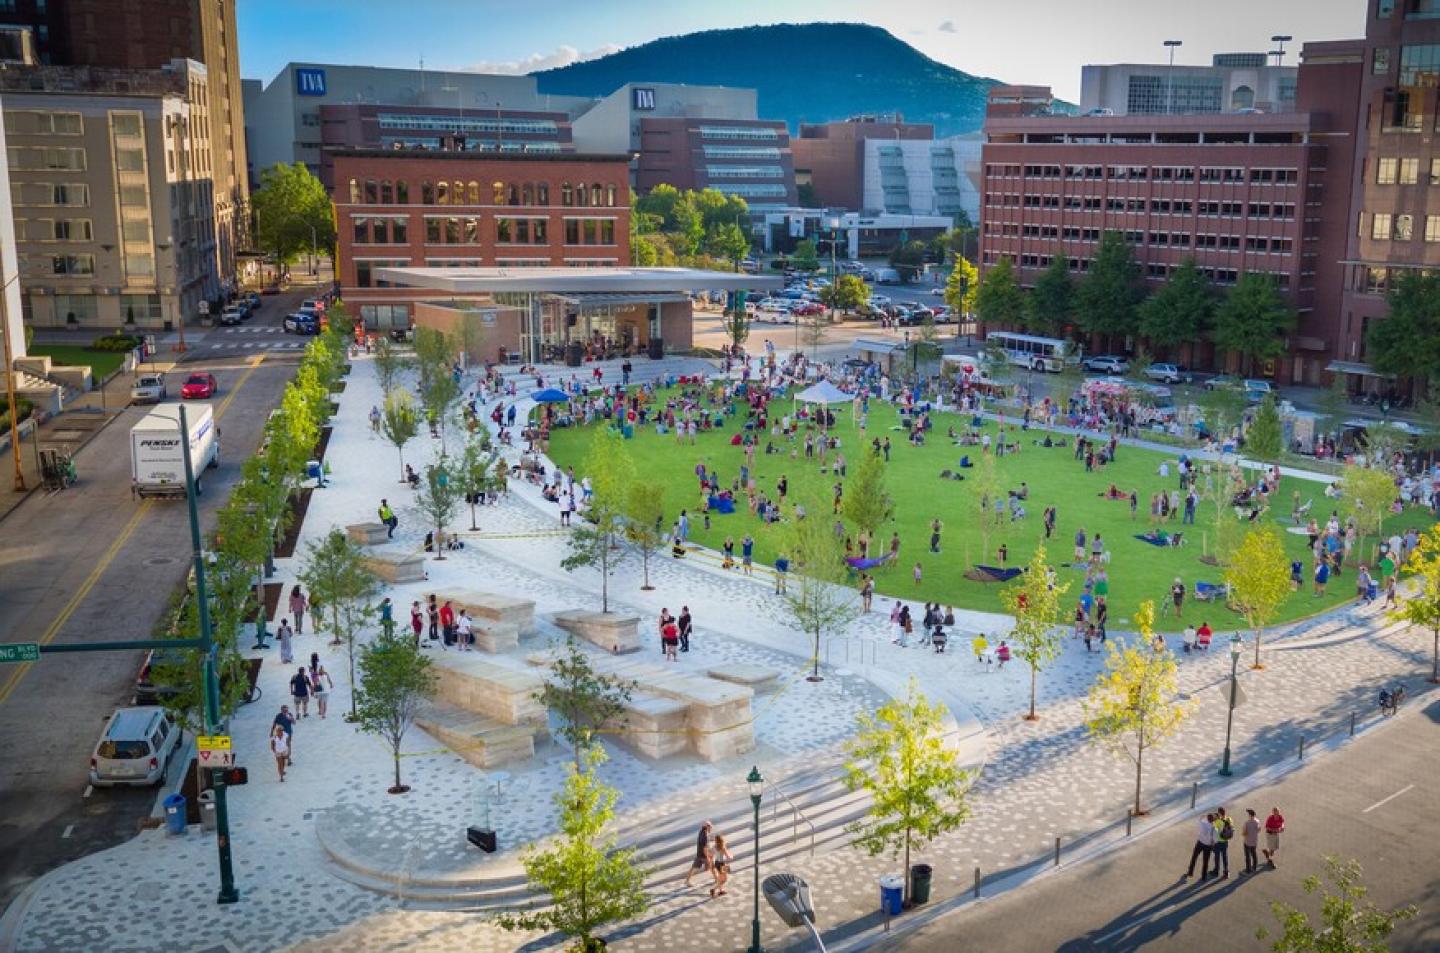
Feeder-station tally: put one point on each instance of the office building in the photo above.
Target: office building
(830, 156)
(111, 183)
(871, 234)
(923, 177)
(286, 121)
(1232, 82)
(459, 209)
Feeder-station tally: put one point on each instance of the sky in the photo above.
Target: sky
(1043, 42)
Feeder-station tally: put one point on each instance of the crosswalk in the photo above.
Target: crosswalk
(243, 339)
(258, 346)
(257, 329)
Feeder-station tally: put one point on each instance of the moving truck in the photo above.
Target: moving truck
(157, 461)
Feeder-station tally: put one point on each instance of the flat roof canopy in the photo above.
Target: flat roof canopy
(626, 280)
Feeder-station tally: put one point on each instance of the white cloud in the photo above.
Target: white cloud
(947, 27)
(560, 56)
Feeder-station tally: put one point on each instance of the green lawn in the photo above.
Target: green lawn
(1137, 570)
(101, 363)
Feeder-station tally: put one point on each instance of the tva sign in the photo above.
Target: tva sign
(310, 82)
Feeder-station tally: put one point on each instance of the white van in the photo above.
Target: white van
(135, 748)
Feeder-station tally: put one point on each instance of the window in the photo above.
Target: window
(442, 193)
(1419, 65)
(597, 195)
(542, 193)
(457, 195)
(427, 192)
(141, 307)
(402, 192)
(70, 193)
(72, 264)
(1380, 226)
(1385, 170)
(521, 231)
(497, 193)
(73, 230)
(125, 124)
(399, 231)
(610, 196)
(362, 230)
(1409, 171)
(140, 266)
(1432, 228)
(474, 192)
(372, 192)
(1380, 65)
(527, 194)
(567, 195)
(1384, 8)
(387, 192)
(1404, 227)
(354, 191)
(452, 231)
(432, 231)
(135, 229)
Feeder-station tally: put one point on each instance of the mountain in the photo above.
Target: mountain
(804, 72)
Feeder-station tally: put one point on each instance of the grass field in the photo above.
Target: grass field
(101, 363)
(1137, 570)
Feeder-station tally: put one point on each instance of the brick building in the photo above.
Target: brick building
(830, 156)
(466, 209)
(748, 158)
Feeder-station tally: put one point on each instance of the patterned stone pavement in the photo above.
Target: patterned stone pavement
(1041, 780)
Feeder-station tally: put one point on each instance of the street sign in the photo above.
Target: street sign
(1239, 693)
(213, 742)
(217, 759)
(20, 652)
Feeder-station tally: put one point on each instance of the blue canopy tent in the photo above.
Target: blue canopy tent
(550, 395)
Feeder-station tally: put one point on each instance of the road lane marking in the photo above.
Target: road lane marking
(1383, 801)
(69, 829)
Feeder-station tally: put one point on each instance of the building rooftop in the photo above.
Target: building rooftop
(576, 281)
(473, 155)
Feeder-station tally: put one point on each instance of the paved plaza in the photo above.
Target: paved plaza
(329, 860)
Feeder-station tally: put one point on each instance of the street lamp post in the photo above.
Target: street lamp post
(1170, 75)
(1230, 715)
(1279, 52)
(757, 790)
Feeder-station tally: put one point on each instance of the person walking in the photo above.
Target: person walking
(701, 860)
(1224, 833)
(298, 605)
(432, 611)
(1274, 827)
(320, 685)
(300, 692)
(720, 860)
(782, 566)
(417, 620)
(1251, 834)
(1177, 596)
(935, 527)
(464, 631)
(287, 723)
(867, 592)
(387, 616)
(747, 553)
(1204, 845)
(287, 648)
(280, 748)
(685, 626)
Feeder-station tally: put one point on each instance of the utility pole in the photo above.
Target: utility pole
(228, 893)
(1170, 76)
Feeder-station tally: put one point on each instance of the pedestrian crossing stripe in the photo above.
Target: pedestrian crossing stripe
(259, 345)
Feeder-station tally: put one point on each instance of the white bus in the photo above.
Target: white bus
(1029, 350)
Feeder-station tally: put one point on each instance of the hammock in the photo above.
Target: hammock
(993, 573)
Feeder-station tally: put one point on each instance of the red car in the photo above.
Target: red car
(808, 310)
(199, 386)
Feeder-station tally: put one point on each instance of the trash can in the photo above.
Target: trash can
(313, 470)
(919, 883)
(175, 814)
(207, 822)
(892, 894)
(574, 354)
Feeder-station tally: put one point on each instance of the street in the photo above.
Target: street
(93, 564)
(1375, 801)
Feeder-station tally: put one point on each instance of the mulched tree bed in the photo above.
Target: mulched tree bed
(299, 503)
(190, 782)
(272, 591)
(323, 443)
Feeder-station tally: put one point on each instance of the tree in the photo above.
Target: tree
(179, 675)
(908, 260)
(334, 571)
(644, 250)
(395, 680)
(1000, 300)
(1106, 298)
(1222, 407)
(584, 699)
(727, 241)
(473, 475)
(804, 257)
(389, 364)
(1422, 607)
(1034, 600)
(399, 422)
(1348, 923)
(292, 210)
(645, 522)
(1254, 319)
(961, 288)
(611, 471)
(846, 293)
(1407, 342)
(901, 757)
(1334, 407)
(1218, 489)
(737, 321)
(1259, 579)
(439, 497)
(867, 502)
(1366, 494)
(1264, 440)
(1181, 312)
(590, 881)
(817, 597)
(245, 528)
(1050, 304)
(1132, 706)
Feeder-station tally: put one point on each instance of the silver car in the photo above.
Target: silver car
(148, 388)
(135, 748)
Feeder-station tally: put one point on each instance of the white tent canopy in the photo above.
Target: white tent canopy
(824, 393)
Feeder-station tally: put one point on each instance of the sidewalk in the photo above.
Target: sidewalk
(1041, 780)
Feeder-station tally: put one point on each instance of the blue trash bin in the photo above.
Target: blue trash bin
(175, 814)
(892, 894)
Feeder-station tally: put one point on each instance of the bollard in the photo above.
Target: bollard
(1129, 819)
(1302, 747)
(977, 883)
(1194, 793)
(1057, 852)
(1352, 724)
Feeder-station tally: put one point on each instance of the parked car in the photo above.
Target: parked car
(199, 387)
(301, 323)
(937, 292)
(1106, 364)
(313, 304)
(1257, 390)
(232, 316)
(1221, 380)
(1169, 373)
(148, 388)
(271, 289)
(146, 691)
(253, 298)
(807, 309)
(880, 301)
(944, 314)
(135, 748)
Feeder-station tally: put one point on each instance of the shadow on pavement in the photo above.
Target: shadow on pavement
(1157, 918)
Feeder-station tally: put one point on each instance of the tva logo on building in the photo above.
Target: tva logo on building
(310, 82)
(644, 98)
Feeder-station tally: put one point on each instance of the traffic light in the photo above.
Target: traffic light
(234, 777)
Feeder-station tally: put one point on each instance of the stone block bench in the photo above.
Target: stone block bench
(483, 742)
(490, 636)
(396, 568)
(493, 607)
(368, 534)
(615, 633)
(480, 685)
(755, 677)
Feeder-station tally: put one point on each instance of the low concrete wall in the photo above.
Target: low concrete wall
(482, 686)
(616, 634)
(396, 569)
(367, 534)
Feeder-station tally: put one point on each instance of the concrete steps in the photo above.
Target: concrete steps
(483, 742)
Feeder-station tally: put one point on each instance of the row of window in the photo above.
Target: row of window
(55, 230)
(465, 230)
(1217, 276)
(741, 152)
(1391, 170)
(467, 124)
(1251, 243)
(1095, 203)
(397, 192)
(25, 122)
(365, 269)
(1385, 226)
(1138, 172)
(41, 194)
(474, 145)
(744, 172)
(753, 133)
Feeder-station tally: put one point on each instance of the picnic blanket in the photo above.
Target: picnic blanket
(861, 562)
(1155, 539)
(720, 504)
(993, 573)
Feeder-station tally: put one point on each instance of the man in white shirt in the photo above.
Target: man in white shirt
(1204, 846)
(464, 631)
